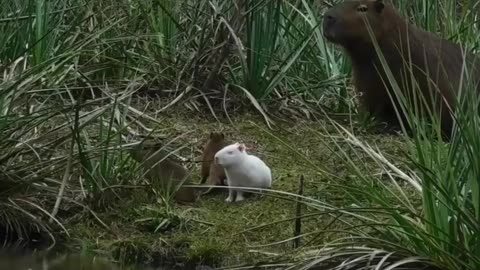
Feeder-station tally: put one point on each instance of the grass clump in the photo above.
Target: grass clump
(82, 82)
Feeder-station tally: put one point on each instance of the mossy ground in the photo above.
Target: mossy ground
(214, 232)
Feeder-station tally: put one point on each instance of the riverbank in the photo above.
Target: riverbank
(133, 228)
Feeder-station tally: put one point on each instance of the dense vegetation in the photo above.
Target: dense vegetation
(81, 81)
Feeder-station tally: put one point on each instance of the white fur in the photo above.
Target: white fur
(242, 170)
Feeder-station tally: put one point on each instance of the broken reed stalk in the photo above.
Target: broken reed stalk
(298, 220)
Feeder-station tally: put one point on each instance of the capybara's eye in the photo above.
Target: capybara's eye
(362, 8)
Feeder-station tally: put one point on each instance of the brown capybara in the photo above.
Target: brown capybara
(408, 50)
(165, 172)
(211, 171)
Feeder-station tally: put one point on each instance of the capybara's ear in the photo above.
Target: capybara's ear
(241, 147)
(379, 5)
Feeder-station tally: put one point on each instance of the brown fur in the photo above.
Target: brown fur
(344, 25)
(162, 169)
(212, 172)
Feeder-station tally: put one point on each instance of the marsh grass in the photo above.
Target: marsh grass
(73, 85)
(392, 228)
(67, 66)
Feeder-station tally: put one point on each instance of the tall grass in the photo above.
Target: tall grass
(419, 213)
(70, 70)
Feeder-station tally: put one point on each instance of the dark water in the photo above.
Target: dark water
(13, 261)
(10, 261)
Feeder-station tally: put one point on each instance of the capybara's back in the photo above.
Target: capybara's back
(164, 172)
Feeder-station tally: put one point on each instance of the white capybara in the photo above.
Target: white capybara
(242, 170)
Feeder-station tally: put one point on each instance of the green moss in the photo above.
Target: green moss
(217, 233)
